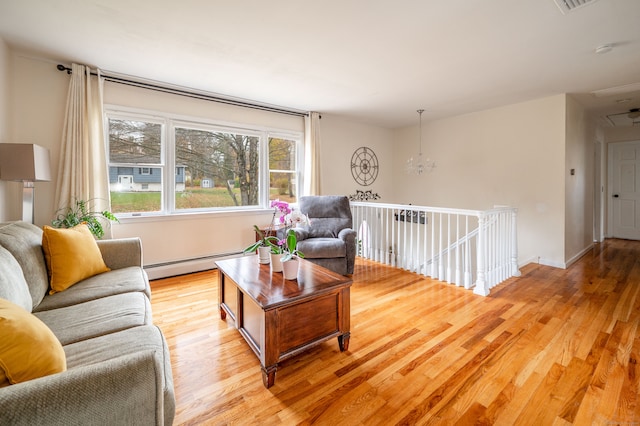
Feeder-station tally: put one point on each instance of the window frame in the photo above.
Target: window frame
(171, 121)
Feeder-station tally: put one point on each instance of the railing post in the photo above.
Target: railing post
(481, 283)
(515, 272)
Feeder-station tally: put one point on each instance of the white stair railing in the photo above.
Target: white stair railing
(470, 248)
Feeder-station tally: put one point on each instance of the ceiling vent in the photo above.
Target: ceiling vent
(567, 6)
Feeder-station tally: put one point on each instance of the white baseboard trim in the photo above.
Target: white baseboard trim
(563, 265)
(553, 263)
(533, 259)
(575, 258)
(185, 266)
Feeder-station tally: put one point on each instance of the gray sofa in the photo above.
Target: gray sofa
(118, 365)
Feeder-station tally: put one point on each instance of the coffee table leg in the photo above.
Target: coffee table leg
(269, 375)
(223, 313)
(343, 341)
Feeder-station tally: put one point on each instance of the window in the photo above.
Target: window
(132, 144)
(219, 168)
(283, 178)
(172, 165)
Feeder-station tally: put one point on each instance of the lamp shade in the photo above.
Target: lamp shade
(24, 162)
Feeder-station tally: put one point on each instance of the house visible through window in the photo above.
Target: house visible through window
(211, 167)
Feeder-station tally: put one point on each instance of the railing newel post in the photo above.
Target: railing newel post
(481, 283)
(515, 271)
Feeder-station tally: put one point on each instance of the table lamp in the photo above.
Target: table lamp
(26, 163)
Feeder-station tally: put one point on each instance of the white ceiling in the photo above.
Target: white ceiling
(375, 61)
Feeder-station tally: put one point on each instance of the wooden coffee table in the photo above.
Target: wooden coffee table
(281, 318)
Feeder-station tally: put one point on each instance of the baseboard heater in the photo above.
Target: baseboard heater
(186, 266)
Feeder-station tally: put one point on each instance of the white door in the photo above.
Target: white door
(624, 173)
(126, 182)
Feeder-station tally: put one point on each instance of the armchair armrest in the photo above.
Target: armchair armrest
(347, 234)
(301, 234)
(122, 390)
(121, 252)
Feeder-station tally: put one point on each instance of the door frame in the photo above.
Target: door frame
(599, 201)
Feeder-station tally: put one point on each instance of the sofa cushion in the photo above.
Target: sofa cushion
(322, 248)
(324, 227)
(28, 348)
(13, 287)
(130, 341)
(72, 255)
(117, 281)
(97, 317)
(24, 242)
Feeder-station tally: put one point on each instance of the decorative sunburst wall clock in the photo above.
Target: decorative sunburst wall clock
(364, 166)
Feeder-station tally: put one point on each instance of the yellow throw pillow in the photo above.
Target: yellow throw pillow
(28, 348)
(72, 255)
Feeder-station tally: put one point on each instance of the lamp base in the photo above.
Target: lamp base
(27, 202)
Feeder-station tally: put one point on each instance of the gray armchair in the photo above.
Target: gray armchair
(328, 240)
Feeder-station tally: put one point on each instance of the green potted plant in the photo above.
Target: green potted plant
(82, 212)
(290, 248)
(264, 245)
(290, 244)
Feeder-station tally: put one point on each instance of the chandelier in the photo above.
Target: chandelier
(418, 165)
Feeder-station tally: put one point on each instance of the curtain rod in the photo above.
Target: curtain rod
(190, 94)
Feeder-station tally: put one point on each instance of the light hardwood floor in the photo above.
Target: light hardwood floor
(551, 347)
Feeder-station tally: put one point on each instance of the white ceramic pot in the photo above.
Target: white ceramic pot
(264, 255)
(290, 269)
(276, 263)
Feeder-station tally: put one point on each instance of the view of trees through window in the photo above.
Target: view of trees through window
(220, 168)
(282, 170)
(211, 168)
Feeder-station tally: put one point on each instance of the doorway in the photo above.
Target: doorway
(624, 190)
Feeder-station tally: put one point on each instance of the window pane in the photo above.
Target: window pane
(217, 169)
(135, 189)
(135, 142)
(282, 170)
(283, 187)
(282, 154)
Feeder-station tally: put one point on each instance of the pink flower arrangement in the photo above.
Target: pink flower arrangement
(283, 208)
(289, 218)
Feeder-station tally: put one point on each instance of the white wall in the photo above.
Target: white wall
(340, 138)
(622, 134)
(9, 191)
(37, 114)
(579, 187)
(512, 155)
(38, 100)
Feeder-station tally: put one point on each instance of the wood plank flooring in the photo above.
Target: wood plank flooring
(552, 347)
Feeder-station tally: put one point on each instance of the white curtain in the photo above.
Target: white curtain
(82, 169)
(312, 154)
